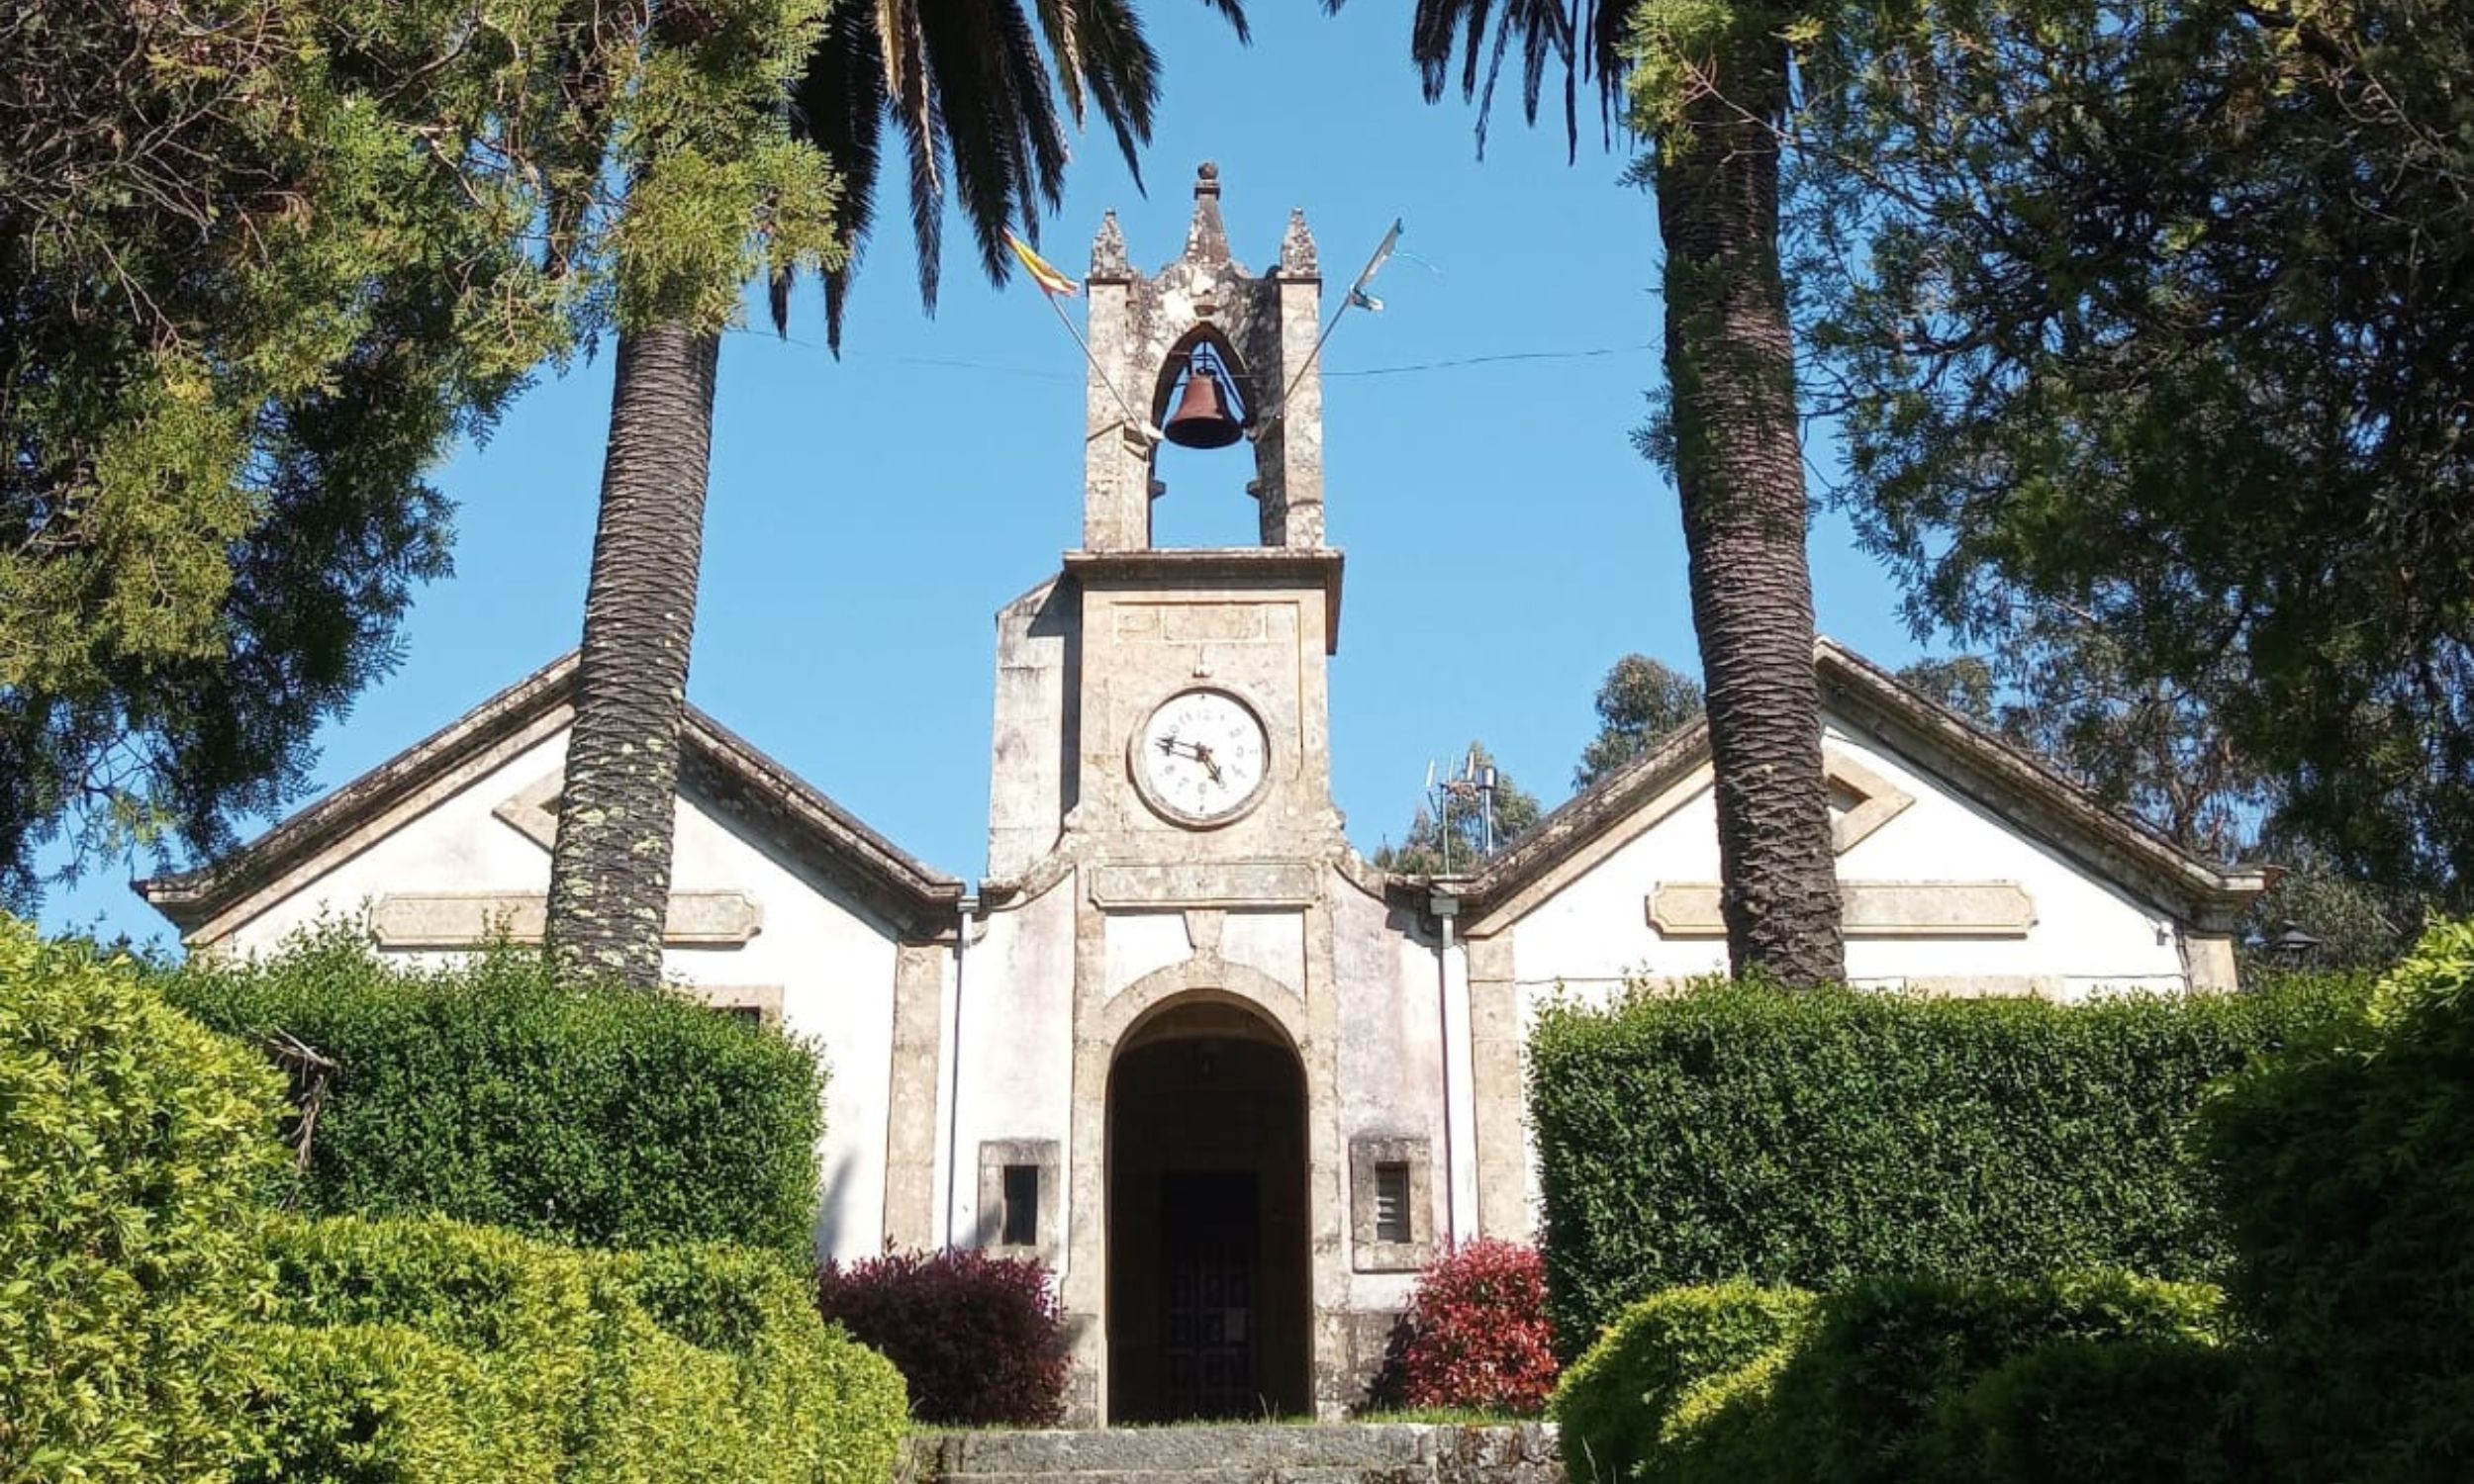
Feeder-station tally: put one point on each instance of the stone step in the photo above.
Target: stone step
(1235, 1453)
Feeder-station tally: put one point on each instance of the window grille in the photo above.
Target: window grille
(1392, 1201)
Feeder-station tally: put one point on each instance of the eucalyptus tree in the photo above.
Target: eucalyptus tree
(261, 261)
(1640, 704)
(980, 94)
(1707, 82)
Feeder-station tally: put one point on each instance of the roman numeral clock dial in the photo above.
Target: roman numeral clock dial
(1200, 759)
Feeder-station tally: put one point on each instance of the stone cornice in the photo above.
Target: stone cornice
(1230, 566)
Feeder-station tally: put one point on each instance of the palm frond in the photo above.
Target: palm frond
(1582, 38)
(979, 92)
(838, 105)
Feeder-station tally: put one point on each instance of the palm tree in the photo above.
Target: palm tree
(1729, 427)
(981, 92)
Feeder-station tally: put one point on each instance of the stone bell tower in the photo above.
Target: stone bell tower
(1165, 860)
(1262, 328)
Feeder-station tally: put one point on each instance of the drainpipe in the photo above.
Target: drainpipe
(1446, 909)
(968, 908)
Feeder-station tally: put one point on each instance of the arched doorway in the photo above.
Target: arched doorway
(1210, 1295)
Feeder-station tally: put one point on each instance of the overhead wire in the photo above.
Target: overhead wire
(1450, 363)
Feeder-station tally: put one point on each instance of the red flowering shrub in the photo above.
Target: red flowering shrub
(980, 1339)
(1475, 1336)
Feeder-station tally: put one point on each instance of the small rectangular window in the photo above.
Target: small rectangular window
(1021, 1224)
(1392, 1201)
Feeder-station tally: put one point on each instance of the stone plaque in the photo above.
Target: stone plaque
(1869, 909)
(469, 919)
(1207, 883)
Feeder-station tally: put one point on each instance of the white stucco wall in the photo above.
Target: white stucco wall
(832, 962)
(1389, 1067)
(1016, 1046)
(2087, 935)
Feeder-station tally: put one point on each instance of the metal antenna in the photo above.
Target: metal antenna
(1475, 783)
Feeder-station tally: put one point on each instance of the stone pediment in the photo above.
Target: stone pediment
(719, 766)
(2012, 784)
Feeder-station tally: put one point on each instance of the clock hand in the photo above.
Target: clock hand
(1202, 754)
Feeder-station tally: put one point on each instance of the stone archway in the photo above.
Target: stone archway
(1210, 1284)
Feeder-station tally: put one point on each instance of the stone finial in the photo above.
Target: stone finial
(1108, 250)
(1206, 241)
(1296, 248)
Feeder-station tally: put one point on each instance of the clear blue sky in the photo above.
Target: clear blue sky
(868, 517)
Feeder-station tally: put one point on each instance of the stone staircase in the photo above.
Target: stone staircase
(1267, 1453)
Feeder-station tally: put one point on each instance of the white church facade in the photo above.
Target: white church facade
(1231, 1082)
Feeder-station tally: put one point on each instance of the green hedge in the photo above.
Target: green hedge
(2348, 1176)
(1882, 1382)
(134, 1149)
(1655, 1352)
(1866, 1398)
(487, 1094)
(1740, 1131)
(444, 1354)
(2123, 1412)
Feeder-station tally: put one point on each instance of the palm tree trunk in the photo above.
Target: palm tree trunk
(1739, 469)
(609, 873)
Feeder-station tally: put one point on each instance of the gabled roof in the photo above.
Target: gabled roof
(2010, 783)
(715, 762)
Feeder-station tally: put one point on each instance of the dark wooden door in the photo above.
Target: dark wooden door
(1208, 1255)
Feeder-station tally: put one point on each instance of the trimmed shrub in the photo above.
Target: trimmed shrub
(2349, 1175)
(488, 1093)
(432, 1352)
(134, 1147)
(1475, 1337)
(376, 1403)
(1653, 1356)
(980, 1339)
(1865, 1392)
(1810, 1137)
(2125, 1411)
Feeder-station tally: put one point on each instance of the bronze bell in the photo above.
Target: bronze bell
(1202, 419)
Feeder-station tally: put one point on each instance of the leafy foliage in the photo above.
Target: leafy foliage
(979, 1339)
(1655, 1353)
(1813, 1137)
(1476, 1337)
(2158, 331)
(2348, 1177)
(261, 261)
(1863, 1392)
(2160, 1410)
(1459, 841)
(435, 1352)
(134, 1147)
(1899, 1381)
(1640, 704)
(488, 1093)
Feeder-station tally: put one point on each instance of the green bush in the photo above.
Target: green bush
(1868, 1391)
(2348, 1176)
(2123, 1412)
(377, 1404)
(487, 1094)
(134, 1147)
(1741, 1131)
(444, 1354)
(1652, 1355)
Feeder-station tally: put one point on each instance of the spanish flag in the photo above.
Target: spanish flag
(1044, 273)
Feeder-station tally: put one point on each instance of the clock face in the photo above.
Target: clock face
(1201, 757)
